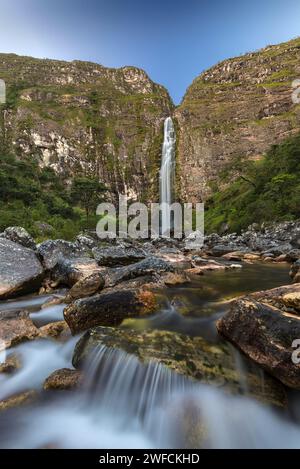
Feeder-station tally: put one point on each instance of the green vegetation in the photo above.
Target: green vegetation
(30, 195)
(266, 190)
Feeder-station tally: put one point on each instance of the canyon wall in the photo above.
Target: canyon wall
(83, 118)
(237, 109)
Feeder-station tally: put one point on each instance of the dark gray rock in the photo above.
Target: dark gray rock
(70, 271)
(149, 266)
(20, 270)
(264, 327)
(117, 255)
(52, 251)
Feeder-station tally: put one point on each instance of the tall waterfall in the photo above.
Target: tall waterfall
(167, 174)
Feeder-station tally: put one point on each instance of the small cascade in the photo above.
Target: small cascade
(119, 381)
(167, 175)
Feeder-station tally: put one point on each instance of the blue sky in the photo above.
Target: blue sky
(173, 41)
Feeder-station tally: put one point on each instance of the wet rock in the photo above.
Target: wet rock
(172, 279)
(149, 266)
(108, 309)
(11, 364)
(19, 235)
(18, 400)
(52, 251)
(16, 327)
(192, 357)
(118, 256)
(70, 271)
(233, 256)
(63, 380)
(264, 326)
(20, 270)
(221, 249)
(55, 330)
(87, 286)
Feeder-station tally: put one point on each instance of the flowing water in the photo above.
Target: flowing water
(167, 174)
(125, 404)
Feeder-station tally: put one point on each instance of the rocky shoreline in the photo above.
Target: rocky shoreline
(105, 283)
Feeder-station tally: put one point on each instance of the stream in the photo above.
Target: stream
(124, 404)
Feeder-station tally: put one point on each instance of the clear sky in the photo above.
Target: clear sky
(173, 41)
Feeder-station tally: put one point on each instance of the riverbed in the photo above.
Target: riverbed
(126, 407)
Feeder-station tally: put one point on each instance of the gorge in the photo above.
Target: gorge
(142, 343)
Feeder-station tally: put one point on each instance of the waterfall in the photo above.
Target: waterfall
(167, 174)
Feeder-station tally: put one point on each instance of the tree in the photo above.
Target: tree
(87, 193)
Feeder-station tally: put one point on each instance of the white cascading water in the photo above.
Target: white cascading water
(167, 174)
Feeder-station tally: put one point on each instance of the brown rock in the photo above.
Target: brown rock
(64, 379)
(108, 309)
(87, 286)
(55, 330)
(16, 327)
(11, 364)
(18, 400)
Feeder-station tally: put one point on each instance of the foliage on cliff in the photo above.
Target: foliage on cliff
(266, 190)
(31, 196)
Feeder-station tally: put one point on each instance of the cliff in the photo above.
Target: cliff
(83, 118)
(237, 109)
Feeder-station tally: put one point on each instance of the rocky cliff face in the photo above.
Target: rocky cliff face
(239, 108)
(83, 118)
(79, 117)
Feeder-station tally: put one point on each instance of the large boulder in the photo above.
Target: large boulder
(20, 270)
(52, 251)
(191, 357)
(108, 309)
(264, 327)
(118, 255)
(19, 235)
(149, 266)
(70, 271)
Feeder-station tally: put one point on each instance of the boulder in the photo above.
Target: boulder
(20, 270)
(87, 286)
(108, 309)
(118, 255)
(220, 249)
(19, 235)
(149, 266)
(63, 380)
(16, 327)
(51, 251)
(264, 327)
(191, 357)
(70, 271)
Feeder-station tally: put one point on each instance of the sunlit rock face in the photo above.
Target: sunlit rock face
(239, 108)
(80, 117)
